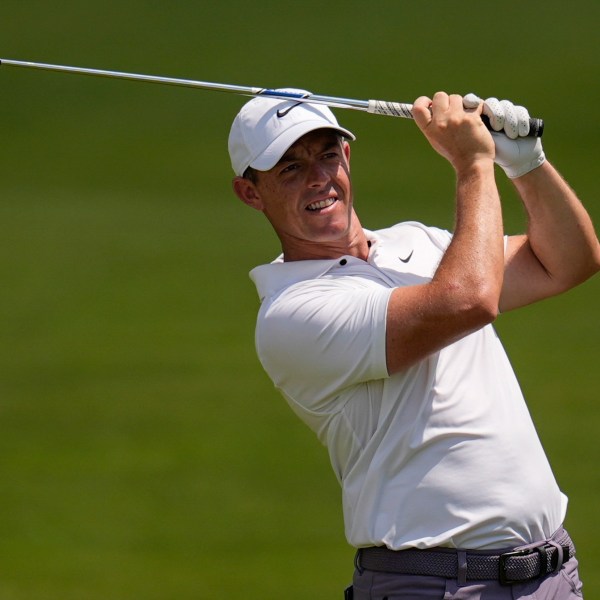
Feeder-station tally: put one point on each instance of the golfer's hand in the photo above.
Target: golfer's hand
(515, 153)
(454, 131)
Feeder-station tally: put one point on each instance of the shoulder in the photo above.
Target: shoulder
(271, 279)
(415, 232)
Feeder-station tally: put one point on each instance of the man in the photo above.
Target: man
(382, 343)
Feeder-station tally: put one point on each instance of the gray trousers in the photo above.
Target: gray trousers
(371, 585)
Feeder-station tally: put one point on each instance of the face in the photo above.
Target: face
(307, 196)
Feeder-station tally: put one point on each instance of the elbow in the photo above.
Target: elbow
(589, 262)
(483, 312)
(586, 269)
(595, 263)
(490, 311)
(480, 307)
(469, 305)
(591, 267)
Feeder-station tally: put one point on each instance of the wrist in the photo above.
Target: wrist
(534, 179)
(481, 167)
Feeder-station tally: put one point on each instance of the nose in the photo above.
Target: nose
(317, 174)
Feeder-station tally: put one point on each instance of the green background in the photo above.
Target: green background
(143, 452)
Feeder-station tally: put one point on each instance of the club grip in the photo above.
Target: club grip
(391, 109)
(536, 126)
(398, 109)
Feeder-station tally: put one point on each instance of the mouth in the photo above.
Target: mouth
(321, 204)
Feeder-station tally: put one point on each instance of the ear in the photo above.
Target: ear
(246, 191)
(346, 147)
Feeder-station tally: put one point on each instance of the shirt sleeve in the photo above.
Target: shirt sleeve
(322, 336)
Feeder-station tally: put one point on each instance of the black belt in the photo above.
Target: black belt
(514, 566)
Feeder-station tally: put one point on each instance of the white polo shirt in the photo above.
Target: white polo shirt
(442, 454)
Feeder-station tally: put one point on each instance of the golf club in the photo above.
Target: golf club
(377, 107)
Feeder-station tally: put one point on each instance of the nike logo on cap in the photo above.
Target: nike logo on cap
(405, 260)
(283, 113)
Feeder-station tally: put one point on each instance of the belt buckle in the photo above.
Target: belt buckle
(502, 575)
(542, 551)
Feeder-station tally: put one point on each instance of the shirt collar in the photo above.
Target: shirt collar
(270, 279)
(278, 275)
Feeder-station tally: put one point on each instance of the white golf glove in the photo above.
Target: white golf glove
(515, 153)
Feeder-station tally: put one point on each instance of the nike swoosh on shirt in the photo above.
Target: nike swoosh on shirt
(405, 260)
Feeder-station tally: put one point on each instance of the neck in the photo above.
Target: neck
(353, 244)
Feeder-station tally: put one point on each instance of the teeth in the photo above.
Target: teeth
(321, 204)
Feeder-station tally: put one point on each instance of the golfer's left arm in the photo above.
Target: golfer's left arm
(560, 249)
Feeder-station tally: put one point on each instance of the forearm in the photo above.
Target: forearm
(474, 261)
(463, 294)
(473, 265)
(559, 230)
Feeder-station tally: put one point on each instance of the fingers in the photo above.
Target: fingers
(453, 126)
(441, 102)
(455, 132)
(421, 112)
(514, 152)
(523, 120)
(472, 101)
(504, 115)
(425, 109)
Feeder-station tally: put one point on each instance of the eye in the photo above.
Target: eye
(289, 168)
(331, 155)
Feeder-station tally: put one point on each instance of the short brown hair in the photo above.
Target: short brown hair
(251, 174)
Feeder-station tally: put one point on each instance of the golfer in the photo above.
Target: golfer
(382, 343)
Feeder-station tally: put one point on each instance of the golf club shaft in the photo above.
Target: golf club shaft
(379, 107)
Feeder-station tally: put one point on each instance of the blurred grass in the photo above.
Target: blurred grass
(143, 453)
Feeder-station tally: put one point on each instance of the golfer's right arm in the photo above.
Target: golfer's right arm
(464, 293)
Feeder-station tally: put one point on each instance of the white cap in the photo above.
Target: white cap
(266, 127)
